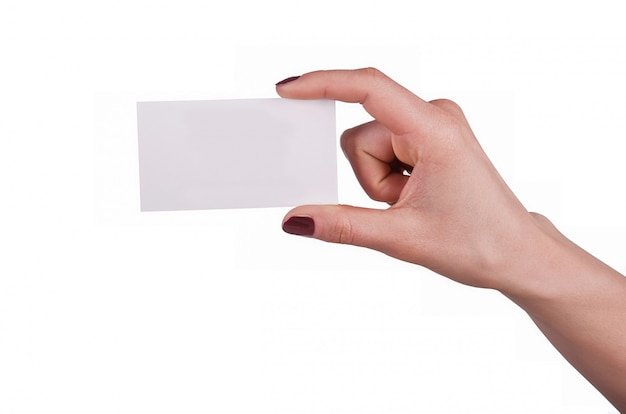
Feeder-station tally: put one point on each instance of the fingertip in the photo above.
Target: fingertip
(280, 86)
(323, 222)
(287, 80)
(307, 220)
(299, 225)
(342, 224)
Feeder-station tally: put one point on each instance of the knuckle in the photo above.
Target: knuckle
(541, 219)
(452, 117)
(344, 231)
(448, 105)
(545, 224)
(354, 140)
(373, 73)
(346, 141)
(375, 191)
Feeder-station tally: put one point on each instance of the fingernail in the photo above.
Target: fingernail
(299, 225)
(289, 79)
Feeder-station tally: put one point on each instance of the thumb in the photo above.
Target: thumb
(346, 225)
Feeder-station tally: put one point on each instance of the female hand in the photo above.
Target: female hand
(453, 214)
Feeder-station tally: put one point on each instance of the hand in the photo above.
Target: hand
(454, 214)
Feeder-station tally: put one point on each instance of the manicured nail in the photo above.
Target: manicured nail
(289, 79)
(299, 225)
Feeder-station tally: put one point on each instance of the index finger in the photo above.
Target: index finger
(387, 101)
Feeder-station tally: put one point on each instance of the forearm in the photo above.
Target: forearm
(579, 303)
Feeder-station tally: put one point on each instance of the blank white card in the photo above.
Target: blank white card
(242, 153)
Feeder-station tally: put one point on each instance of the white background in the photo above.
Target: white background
(107, 310)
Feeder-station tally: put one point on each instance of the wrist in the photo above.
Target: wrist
(536, 267)
(550, 270)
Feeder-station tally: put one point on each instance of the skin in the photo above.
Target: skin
(454, 204)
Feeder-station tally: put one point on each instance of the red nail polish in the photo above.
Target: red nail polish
(299, 225)
(289, 79)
